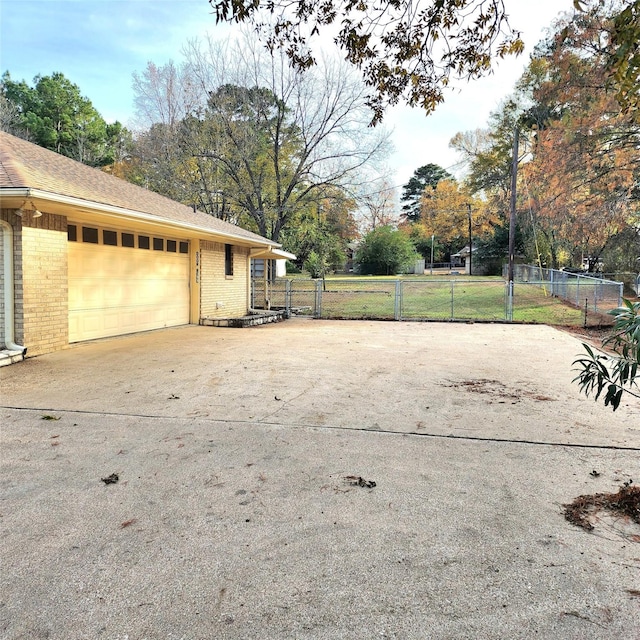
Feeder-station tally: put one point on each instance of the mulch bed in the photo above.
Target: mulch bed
(625, 503)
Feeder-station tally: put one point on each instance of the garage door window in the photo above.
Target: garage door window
(89, 234)
(111, 238)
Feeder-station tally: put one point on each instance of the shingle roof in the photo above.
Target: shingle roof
(26, 165)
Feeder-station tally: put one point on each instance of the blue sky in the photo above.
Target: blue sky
(98, 44)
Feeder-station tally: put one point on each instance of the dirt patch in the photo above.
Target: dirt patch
(625, 503)
(594, 336)
(497, 389)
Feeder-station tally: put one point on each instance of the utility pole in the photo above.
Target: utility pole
(512, 208)
(470, 240)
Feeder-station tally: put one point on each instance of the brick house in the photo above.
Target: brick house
(86, 255)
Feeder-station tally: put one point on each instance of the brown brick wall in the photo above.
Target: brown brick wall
(222, 296)
(45, 284)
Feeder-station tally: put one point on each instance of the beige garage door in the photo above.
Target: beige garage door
(120, 282)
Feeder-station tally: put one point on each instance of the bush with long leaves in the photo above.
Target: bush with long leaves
(611, 376)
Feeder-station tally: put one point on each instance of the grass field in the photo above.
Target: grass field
(424, 298)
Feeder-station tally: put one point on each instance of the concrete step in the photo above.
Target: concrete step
(7, 357)
(251, 320)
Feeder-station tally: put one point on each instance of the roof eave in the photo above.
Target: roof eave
(131, 214)
(272, 253)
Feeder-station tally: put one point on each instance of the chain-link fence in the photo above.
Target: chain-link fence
(582, 290)
(557, 301)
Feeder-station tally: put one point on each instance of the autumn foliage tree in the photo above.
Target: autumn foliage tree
(447, 212)
(579, 165)
(581, 182)
(622, 51)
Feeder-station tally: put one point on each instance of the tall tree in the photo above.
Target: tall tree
(579, 166)
(163, 94)
(428, 175)
(622, 50)
(321, 233)
(54, 114)
(584, 171)
(260, 141)
(377, 205)
(10, 120)
(403, 50)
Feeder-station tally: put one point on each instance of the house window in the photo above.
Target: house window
(171, 246)
(127, 240)
(228, 259)
(72, 233)
(158, 244)
(110, 238)
(143, 242)
(184, 247)
(89, 234)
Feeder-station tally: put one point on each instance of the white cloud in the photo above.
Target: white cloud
(99, 43)
(421, 139)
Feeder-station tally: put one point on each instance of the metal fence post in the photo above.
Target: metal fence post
(287, 297)
(509, 302)
(621, 292)
(452, 316)
(397, 311)
(318, 301)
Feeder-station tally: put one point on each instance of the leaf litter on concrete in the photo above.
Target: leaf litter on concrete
(624, 503)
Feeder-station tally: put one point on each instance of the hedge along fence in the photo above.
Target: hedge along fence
(427, 299)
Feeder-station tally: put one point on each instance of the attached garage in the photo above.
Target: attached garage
(122, 282)
(87, 255)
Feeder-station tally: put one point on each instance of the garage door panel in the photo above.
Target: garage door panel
(118, 290)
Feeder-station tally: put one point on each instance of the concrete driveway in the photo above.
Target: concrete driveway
(244, 506)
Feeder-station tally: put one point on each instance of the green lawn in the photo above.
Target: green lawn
(430, 298)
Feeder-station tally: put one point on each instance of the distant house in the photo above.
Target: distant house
(462, 259)
(86, 255)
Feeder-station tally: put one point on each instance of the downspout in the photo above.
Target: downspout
(9, 298)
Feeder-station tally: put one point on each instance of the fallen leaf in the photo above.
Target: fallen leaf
(112, 479)
(358, 481)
